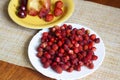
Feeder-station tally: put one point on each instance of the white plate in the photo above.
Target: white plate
(35, 61)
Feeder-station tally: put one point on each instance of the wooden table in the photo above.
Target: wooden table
(13, 72)
(114, 3)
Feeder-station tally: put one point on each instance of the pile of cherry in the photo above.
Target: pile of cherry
(66, 48)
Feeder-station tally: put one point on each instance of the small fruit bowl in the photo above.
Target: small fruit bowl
(34, 22)
(64, 75)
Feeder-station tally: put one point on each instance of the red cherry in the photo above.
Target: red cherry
(55, 47)
(46, 64)
(70, 69)
(92, 36)
(59, 4)
(97, 40)
(47, 55)
(58, 12)
(94, 57)
(57, 68)
(49, 17)
(64, 66)
(39, 54)
(57, 59)
(91, 66)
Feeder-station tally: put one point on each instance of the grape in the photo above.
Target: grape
(22, 7)
(23, 2)
(22, 10)
(22, 14)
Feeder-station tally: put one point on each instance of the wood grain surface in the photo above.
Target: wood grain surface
(114, 3)
(12, 72)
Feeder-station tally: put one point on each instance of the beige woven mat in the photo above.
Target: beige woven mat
(105, 20)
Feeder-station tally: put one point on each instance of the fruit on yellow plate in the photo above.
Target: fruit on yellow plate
(34, 22)
(46, 3)
(35, 7)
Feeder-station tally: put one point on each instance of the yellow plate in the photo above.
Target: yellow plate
(36, 22)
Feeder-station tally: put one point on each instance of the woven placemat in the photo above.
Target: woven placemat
(104, 20)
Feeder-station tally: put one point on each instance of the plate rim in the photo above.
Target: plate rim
(80, 76)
